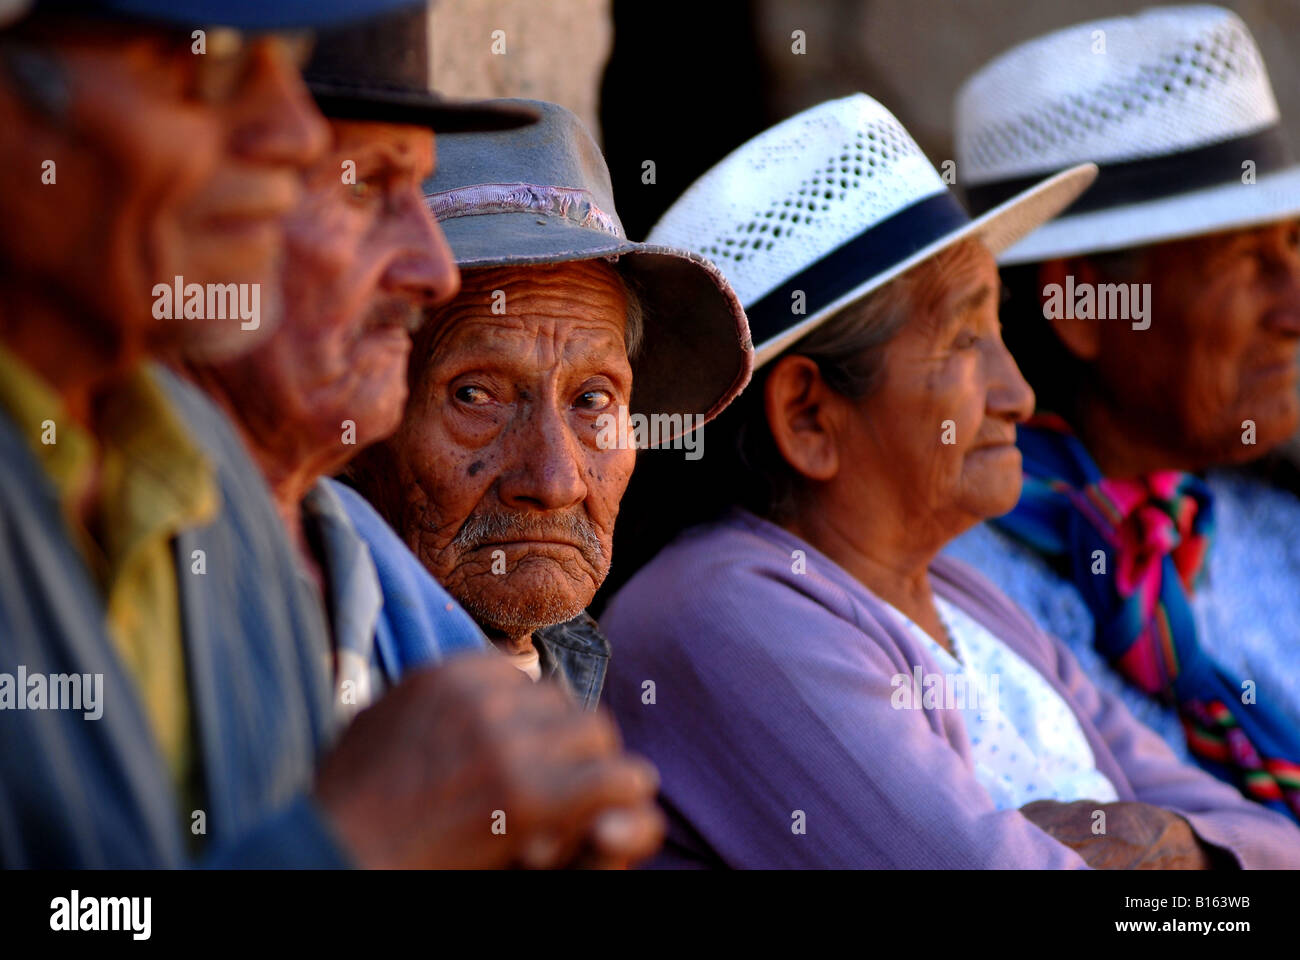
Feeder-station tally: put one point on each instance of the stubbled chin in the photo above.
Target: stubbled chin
(539, 595)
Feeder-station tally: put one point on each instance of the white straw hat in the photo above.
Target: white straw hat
(1173, 104)
(829, 205)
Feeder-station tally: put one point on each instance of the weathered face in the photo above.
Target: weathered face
(497, 480)
(159, 171)
(1221, 348)
(939, 430)
(365, 259)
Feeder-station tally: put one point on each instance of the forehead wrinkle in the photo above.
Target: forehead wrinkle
(504, 342)
(576, 311)
(968, 302)
(394, 146)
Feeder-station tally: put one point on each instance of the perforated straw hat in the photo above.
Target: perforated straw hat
(1173, 104)
(542, 194)
(829, 205)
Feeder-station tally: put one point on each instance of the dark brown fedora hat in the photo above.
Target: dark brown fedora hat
(379, 70)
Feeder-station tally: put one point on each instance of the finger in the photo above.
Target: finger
(623, 781)
(571, 740)
(628, 835)
(564, 807)
(524, 711)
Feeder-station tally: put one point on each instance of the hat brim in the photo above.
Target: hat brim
(998, 229)
(245, 14)
(695, 354)
(416, 108)
(1231, 206)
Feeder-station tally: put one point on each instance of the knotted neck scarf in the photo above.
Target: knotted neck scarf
(1134, 549)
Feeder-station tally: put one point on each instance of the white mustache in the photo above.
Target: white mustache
(486, 528)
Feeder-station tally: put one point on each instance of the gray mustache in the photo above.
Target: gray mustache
(486, 528)
(397, 312)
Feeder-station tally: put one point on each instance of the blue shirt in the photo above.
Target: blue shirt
(387, 611)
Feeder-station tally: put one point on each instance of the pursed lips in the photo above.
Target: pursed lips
(406, 317)
(997, 443)
(513, 543)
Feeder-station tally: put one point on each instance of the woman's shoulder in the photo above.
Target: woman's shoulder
(735, 580)
(736, 549)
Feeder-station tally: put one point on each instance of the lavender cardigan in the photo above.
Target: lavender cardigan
(771, 699)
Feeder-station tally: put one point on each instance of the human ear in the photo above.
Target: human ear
(800, 413)
(1081, 337)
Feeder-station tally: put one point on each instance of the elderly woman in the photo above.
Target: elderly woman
(506, 473)
(1169, 572)
(817, 686)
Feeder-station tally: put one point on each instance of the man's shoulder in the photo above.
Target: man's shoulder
(247, 525)
(1249, 504)
(214, 432)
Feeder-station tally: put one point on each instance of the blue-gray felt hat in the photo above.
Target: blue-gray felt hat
(542, 194)
(240, 14)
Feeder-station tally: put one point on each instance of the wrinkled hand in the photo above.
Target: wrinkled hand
(416, 780)
(1138, 836)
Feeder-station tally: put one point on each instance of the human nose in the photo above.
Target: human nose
(422, 266)
(1010, 396)
(549, 475)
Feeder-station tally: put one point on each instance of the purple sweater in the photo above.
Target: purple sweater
(772, 695)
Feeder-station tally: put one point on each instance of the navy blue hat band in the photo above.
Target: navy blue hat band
(240, 14)
(1153, 178)
(872, 252)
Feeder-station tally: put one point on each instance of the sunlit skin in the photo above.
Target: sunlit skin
(1220, 351)
(503, 419)
(151, 181)
(885, 493)
(364, 261)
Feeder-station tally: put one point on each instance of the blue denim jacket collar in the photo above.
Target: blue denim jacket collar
(576, 655)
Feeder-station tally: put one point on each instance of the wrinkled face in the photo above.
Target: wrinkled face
(1221, 348)
(501, 487)
(939, 430)
(166, 163)
(365, 259)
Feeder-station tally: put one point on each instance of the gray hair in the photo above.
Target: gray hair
(634, 329)
(849, 347)
(849, 350)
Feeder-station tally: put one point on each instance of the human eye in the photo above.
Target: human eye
(473, 395)
(366, 189)
(594, 398)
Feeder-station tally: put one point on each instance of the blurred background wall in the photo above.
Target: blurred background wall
(554, 50)
(682, 82)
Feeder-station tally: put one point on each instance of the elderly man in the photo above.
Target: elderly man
(517, 445)
(137, 155)
(162, 700)
(1158, 322)
(364, 258)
